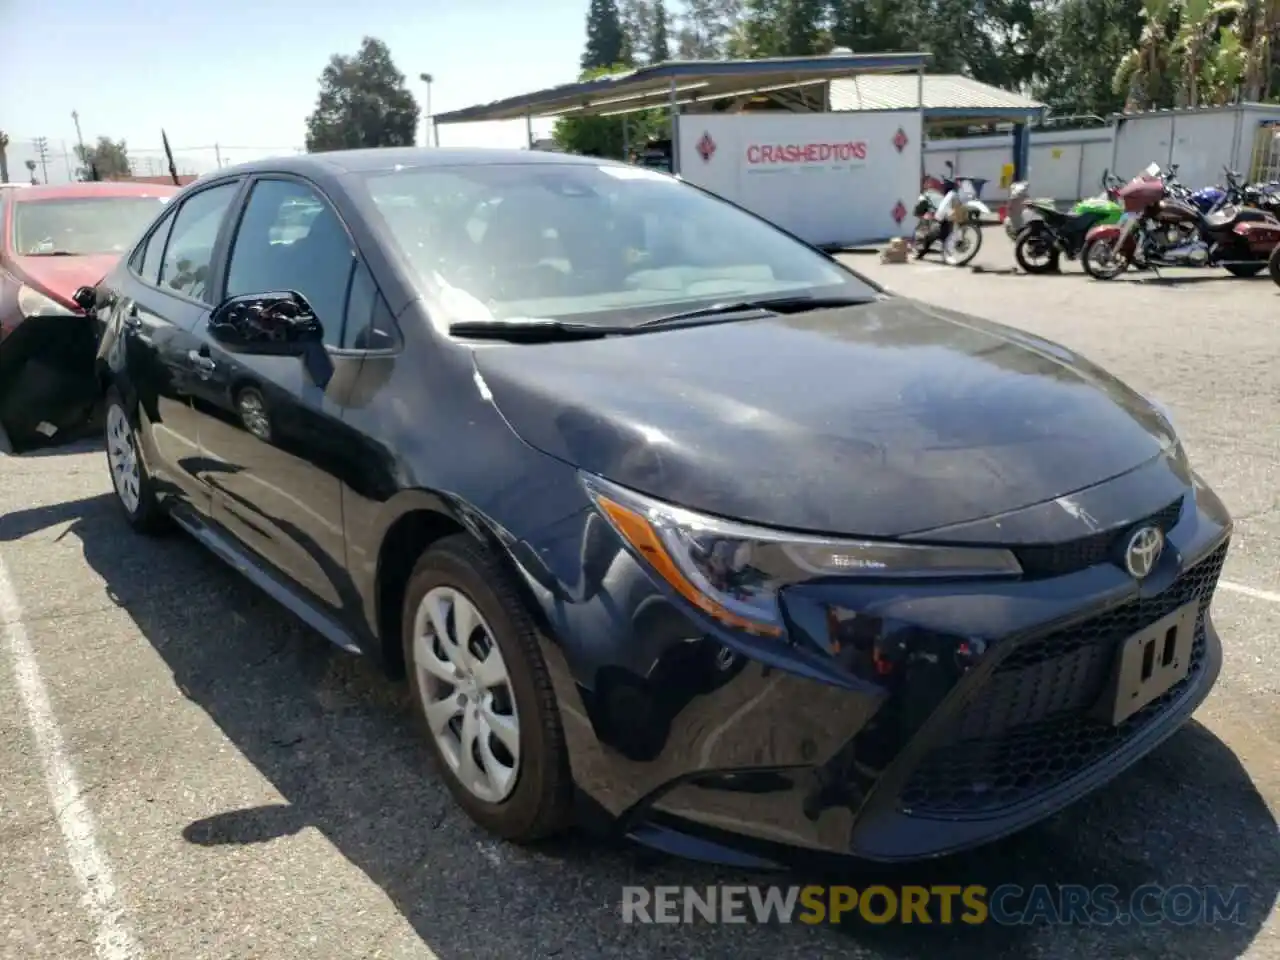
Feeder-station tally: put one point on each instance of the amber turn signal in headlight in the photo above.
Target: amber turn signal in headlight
(734, 572)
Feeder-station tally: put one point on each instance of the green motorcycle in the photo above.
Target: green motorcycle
(1042, 234)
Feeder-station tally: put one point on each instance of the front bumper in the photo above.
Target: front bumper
(751, 751)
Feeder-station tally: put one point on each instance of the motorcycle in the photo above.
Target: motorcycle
(1162, 228)
(1046, 234)
(950, 215)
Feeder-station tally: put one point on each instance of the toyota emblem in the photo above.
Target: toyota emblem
(1143, 551)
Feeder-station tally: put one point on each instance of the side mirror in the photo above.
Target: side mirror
(86, 298)
(280, 324)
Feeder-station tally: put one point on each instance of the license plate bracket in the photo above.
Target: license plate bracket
(1149, 663)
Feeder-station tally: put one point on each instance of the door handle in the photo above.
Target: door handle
(200, 361)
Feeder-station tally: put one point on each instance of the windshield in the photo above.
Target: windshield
(81, 225)
(598, 244)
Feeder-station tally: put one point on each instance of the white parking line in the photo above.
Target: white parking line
(1254, 592)
(112, 938)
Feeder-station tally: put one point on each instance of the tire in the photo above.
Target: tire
(968, 230)
(539, 800)
(1273, 266)
(1027, 238)
(1245, 270)
(133, 486)
(921, 237)
(1098, 271)
(254, 414)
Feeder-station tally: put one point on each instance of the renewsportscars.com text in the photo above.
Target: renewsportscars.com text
(1008, 904)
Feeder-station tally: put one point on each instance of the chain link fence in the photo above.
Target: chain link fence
(51, 160)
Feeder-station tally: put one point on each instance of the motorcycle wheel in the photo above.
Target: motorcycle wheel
(922, 236)
(1100, 259)
(1245, 270)
(962, 245)
(1036, 253)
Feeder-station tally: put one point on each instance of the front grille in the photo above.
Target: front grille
(1059, 559)
(1027, 729)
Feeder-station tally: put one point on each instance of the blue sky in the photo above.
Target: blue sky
(243, 73)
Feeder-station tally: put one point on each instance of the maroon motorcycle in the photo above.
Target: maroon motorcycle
(1161, 228)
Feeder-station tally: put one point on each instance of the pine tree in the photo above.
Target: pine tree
(606, 40)
(659, 42)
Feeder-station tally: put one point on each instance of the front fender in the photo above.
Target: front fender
(1031, 228)
(1103, 231)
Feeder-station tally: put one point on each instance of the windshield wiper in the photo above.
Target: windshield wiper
(532, 330)
(765, 304)
(542, 330)
(55, 253)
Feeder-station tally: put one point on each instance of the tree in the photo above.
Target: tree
(706, 28)
(1143, 75)
(606, 40)
(363, 102)
(605, 136)
(803, 25)
(659, 39)
(1197, 43)
(4, 157)
(1082, 43)
(109, 157)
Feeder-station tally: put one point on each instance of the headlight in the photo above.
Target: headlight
(734, 572)
(33, 303)
(1173, 441)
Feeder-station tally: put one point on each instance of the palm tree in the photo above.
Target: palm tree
(1142, 74)
(1258, 28)
(1225, 69)
(1197, 43)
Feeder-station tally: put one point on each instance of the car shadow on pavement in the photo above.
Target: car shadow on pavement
(336, 739)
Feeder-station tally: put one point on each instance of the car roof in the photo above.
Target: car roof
(391, 158)
(105, 188)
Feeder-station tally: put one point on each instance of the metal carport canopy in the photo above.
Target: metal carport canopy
(684, 82)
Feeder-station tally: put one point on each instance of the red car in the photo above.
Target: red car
(54, 240)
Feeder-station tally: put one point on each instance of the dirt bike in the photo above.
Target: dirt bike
(1042, 234)
(950, 215)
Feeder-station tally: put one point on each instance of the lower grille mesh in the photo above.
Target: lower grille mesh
(1026, 729)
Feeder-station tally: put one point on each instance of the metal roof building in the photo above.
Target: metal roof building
(683, 82)
(941, 96)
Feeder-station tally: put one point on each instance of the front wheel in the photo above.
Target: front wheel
(135, 491)
(1036, 253)
(483, 693)
(962, 244)
(1102, 260)
(1245, 270)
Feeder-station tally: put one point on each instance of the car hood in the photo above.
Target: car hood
(885, 419)
(62, 276)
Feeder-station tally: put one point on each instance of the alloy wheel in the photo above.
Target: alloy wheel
(466, 694)
(122, 456)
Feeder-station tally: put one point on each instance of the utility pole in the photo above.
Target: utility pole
(42, 151)
(217, 155)
(84, 154)
(427, 79)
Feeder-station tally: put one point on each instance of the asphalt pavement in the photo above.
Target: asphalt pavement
(190, 772)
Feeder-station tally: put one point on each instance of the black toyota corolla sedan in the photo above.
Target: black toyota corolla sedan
(665, 514)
